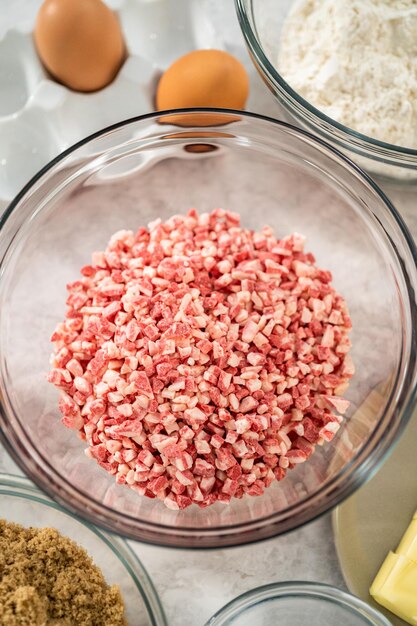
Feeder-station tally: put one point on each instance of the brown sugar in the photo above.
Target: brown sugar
(46, 579)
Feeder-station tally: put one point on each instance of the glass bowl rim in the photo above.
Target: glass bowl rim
(356, 477)
(297, 589)
(277, 80)
(22, 487)
(224, 112)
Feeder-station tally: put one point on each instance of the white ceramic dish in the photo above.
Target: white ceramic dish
(39, 118)
(371, 523)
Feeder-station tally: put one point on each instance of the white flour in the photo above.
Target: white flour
(356, 60)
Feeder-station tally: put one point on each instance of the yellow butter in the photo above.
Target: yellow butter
(408, 545)
(395, 587)
(383, 574)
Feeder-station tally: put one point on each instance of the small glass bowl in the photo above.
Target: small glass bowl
(270, 173)
(22, 503)
(297, 604)
(261, 22)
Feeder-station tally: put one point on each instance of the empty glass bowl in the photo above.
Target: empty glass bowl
(261, 22)
(270, 173)
(22, 503)
(297, 604)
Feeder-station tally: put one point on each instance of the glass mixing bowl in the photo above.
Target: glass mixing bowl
(270, 173)
(261, 22)
(22, 503)
(297, 604)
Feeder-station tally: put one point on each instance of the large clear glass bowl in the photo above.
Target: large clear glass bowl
(297, 604)
(22, 503)
(261, 22)
(163, 164)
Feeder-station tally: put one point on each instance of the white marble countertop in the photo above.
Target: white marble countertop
(194, 584)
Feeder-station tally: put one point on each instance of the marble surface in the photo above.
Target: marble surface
(194, 584)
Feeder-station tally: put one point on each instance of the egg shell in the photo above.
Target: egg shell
(79, 42)
(203, 78)
(202, 119)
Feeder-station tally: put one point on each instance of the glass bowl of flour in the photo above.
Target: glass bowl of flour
(346, 70)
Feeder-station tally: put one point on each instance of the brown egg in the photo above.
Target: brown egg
(79, 42)
(203, 78)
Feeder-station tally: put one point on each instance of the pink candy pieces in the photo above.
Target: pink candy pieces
(200, 360)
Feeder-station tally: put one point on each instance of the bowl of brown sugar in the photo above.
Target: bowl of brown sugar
(56, 570)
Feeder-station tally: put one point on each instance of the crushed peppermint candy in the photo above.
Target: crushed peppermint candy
(200, 360)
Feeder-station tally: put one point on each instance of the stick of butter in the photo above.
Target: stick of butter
(395, 585)
(408, 545)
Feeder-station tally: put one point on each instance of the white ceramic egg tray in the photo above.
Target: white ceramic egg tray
(39, 118)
